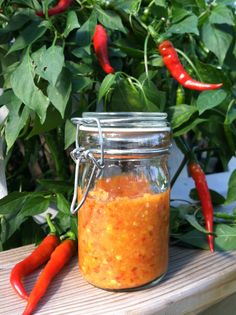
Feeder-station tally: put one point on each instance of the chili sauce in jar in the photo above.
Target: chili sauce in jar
(122, 197)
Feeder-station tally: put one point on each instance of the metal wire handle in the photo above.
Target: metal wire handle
(80, 155)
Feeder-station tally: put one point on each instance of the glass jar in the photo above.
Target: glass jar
(122, 194)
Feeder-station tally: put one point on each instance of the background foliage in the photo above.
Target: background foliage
(49, 73)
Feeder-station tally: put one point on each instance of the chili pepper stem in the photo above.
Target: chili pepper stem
(69, 235)
(50, 224)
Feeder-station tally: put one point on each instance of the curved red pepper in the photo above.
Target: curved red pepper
(100, 40)
(205, 199)
(60, 7)
(61, 255)
(38, 257)
(173, 64)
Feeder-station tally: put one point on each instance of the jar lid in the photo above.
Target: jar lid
(123, 121)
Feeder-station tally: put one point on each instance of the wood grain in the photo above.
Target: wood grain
(195, 280)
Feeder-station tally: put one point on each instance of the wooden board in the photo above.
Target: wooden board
(195, 280)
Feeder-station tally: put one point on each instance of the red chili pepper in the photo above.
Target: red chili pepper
(173, 64)
(61, 255)
(38, 257)
(100, 40)
(60, 7)
(205, 199)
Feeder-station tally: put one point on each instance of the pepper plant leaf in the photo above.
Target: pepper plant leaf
(31, 96)
(12, 202)
(72, 23)
(210, 99)
(188, 126)
(160, 3)
(110, 19)
(217, 199)
(188, 25)
(224, 240)
(221, 15)
(85, 32)
(231, 113)
(180, 114)
(29, 35)
(34, 205)
(216, 40)
(16, 121)
(18, 20)
(49, 63)
(52, 121)
(60, 93)
(107, 83)
(63, 204)
(231, 195)
(70, 132)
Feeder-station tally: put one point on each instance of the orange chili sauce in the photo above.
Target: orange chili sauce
(123, 230)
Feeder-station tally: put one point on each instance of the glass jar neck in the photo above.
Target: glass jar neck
(124, 133)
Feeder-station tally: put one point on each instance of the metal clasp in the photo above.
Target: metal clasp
(79, 154)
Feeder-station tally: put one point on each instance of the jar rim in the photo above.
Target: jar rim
(123, 121)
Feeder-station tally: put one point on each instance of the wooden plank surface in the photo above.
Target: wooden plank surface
(195, 280)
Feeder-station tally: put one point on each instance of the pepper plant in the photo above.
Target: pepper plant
(50, 73)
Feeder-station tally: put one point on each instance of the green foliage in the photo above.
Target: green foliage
(49, 73)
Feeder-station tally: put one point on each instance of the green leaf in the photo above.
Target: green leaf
(193, 221)
(49, 63)
(130, 46)
(155, 96)
(179, 14)
(231, 113)
(195, 238)
(22, 81)
(34, 205)
(161, 3)
(11, 225)
(110, 19)
(71, 23)
(180, 114)
(60, 93)
(12, 202)
(28, 3)
(70, 132)
(56, 186)
(63, 204)
(31, 232)
(7, 97)
(216, 198)
(85, 33)
(79, 68)
(211, 74)
(231, 194)
(29, 35)
(221, 15)
(18, 20)
(128, 6)
(52, 121)
(106, 84)
(189, 126)
(81, 83)
(126, 97)
(188, 25)
(210, 99)
(216, 40)
(225, 237)
(16, 121)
